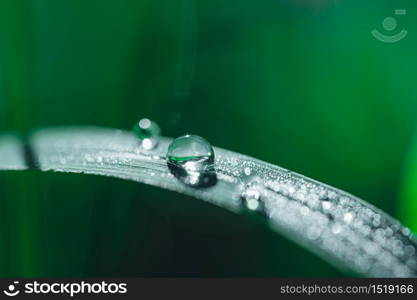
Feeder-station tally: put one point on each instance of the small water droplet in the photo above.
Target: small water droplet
(251, 199)
(148, 132)
(406, 231)
(326, 205)
(388, 232)
(191, 159)
(348, 217)
(248, 171)
(336, 228)
(409, 250)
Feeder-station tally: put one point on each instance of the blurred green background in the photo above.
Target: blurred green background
(298, 83)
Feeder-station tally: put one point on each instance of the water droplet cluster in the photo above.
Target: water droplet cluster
(337, 222)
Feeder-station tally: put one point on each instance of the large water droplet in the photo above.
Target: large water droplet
(148, 132)
(191, 159)
(192, 153)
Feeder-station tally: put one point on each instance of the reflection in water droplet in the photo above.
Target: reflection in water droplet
(191, 159)
(148, 132)
(191, 152)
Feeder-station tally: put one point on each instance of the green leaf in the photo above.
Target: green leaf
(342, 229)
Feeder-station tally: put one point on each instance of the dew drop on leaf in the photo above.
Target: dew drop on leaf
(148, 132)
(191, 159)
(192, 153)
(251, 199)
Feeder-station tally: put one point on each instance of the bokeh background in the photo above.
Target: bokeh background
(298, 83)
